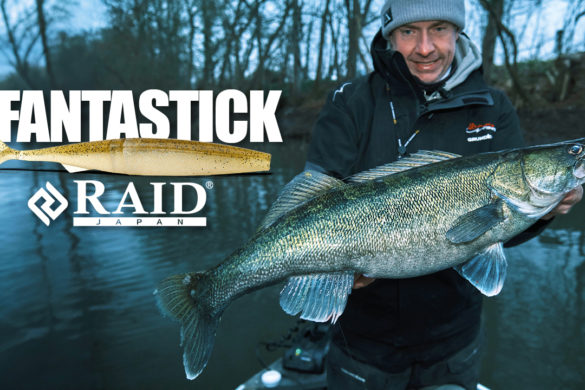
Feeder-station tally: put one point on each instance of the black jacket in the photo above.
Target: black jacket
(393, 323)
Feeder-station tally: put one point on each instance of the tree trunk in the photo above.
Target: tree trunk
(495, 9)
(192, 12)
(21, 63)
(43, 32)
(353, 23)
(208, 16)
(334, 64)
(295, 42)
(508, 39)
(324, 17)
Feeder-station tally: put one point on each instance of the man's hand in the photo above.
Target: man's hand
(571, 199)
(360, 281)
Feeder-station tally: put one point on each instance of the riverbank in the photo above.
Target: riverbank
(555, 114)
(540, 125)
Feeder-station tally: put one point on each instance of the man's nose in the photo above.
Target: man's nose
(424, 44)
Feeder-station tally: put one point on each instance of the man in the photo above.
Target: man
(427, 92)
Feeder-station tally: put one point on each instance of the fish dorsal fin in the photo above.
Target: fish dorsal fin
(473, 224)
(487, 270)
(73, 169)
(319, 297)
(306, 185)
(418, 159)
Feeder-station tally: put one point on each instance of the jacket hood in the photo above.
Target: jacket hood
(467, 58)
(391, 64)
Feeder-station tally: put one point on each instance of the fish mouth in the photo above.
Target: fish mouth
(579, 169)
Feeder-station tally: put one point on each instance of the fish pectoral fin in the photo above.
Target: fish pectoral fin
(318, 297)
(74, 169)
(306, 185)
(487, 270)
(473, 224)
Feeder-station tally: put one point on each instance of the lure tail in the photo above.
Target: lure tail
(6, 153)
(186, 298)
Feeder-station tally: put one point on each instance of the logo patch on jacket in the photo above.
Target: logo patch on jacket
(481, 132)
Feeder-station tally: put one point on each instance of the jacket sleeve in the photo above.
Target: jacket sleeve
(509, 134)
(529, 233)
(334, 144)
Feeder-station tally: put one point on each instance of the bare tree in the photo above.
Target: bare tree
(495, 10)
(324, 18)
(508, 40)
(208, 15)
(355, 23)
(334, 65)
(308, 49)
(575, 11)
(275, 35)
(192, 12)
(42, 25)
(22, 38)
(296, 34)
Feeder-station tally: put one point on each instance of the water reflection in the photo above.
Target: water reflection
(536, 336)
(78, 312)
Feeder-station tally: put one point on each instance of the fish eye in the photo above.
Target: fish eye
(576, 150)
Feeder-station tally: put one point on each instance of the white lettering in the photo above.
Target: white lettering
(7, 115)
(96, 101)
(222, 116)
(263, 116)
(184, 100)
(157, 198)
(481, 138)
(122, 103)
(63, 117)
(33, 104)
(159, 119)
(82, 196)
(178, 192)
(206, 116)
(135, 202)
(132, 222)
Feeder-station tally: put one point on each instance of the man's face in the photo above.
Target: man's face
(428, 48)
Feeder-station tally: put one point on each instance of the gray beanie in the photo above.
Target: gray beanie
(395, 13)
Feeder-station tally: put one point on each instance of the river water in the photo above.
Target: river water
(78, 311)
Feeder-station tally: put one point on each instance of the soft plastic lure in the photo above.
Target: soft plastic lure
(147, 157)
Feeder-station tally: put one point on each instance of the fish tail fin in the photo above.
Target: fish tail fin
(6, 153)
(181, 298)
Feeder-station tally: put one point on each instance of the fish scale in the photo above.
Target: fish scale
(425, 213)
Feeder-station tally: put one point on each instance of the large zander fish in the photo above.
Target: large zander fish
(422, 214)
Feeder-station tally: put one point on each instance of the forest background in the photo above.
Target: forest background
(532, 49)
